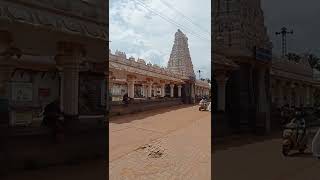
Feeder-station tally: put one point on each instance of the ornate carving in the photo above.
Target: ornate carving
(180, 59)
(15, 12)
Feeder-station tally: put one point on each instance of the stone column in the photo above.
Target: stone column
(179, 90)
(150, 89)
(131, 88)
(280, 94)
(221, 85)
(171, 90)
(263, 108)
(298, 95)
(61, 90)
(69, 58)
(312, 96)
(163, 90)
(143, 90)
(6, 64)
(292, 86)
(308, 95)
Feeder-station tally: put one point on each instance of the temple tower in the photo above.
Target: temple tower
(180, 59)
(241, 35)
(239, 27)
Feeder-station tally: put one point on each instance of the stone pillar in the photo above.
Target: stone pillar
(221, 85)
(69, 58)
(280, 94)
(6, 64)
(163, 90)
(131, 88)
(61, 90)
(292, 86)
(263, 103)
(312, 96)
(308, 95)
(298, 95)
(179, 90)
(171, 90)
(143, 90)
(5, 77)
(150, 89)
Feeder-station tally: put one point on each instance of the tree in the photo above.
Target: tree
(313, 61)
(293, 57)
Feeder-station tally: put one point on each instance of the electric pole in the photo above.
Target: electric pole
(284, 33)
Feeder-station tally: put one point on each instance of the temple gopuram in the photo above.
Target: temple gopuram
(151, 86)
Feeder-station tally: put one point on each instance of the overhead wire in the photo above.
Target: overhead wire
(170, 20)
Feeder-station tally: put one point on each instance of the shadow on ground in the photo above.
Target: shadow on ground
(141, 115)
(301, 155)
(242, 140)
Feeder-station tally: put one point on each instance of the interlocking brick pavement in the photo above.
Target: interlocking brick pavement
(180, 151)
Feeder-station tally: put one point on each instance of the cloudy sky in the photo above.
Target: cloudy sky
(300, 16)
(141, 32)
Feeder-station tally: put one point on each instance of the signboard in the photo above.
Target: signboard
(44, 92)
(263, 54)
(22, 92)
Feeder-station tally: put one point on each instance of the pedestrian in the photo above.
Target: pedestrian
(125, 99)
(51, 118)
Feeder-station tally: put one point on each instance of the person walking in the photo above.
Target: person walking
(51, 118)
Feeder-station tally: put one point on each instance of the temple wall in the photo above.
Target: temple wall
(143, 105)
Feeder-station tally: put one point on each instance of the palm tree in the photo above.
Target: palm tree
(313, 61)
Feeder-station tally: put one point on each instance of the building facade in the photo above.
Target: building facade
(260, 82)
(47, 50)
(141, 80)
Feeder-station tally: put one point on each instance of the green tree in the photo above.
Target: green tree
(293, 57)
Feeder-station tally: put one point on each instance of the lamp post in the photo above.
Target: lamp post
(284, 33)
(199, 71)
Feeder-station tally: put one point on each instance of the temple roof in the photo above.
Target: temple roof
(222, 60)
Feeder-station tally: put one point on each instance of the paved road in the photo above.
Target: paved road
(263, 160)
(168, 145)
(87, 170)
(164, 144)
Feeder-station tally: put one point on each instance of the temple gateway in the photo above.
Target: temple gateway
(146, 82)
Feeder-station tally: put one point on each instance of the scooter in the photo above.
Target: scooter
(290, 135)
(203, 106)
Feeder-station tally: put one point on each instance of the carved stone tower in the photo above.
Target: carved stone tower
(241, 35)
(180, 59)
(239, 27)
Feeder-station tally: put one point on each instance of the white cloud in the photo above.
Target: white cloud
(141, 33)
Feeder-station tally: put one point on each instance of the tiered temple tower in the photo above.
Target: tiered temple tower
(240, 35)
(239, 27)
(180, 59)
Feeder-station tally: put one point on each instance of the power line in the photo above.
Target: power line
(186, 17)
(169, 20)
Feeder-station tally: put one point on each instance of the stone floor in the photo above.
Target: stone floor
(168, 145)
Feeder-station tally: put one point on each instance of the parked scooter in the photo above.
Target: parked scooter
(295, 136)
